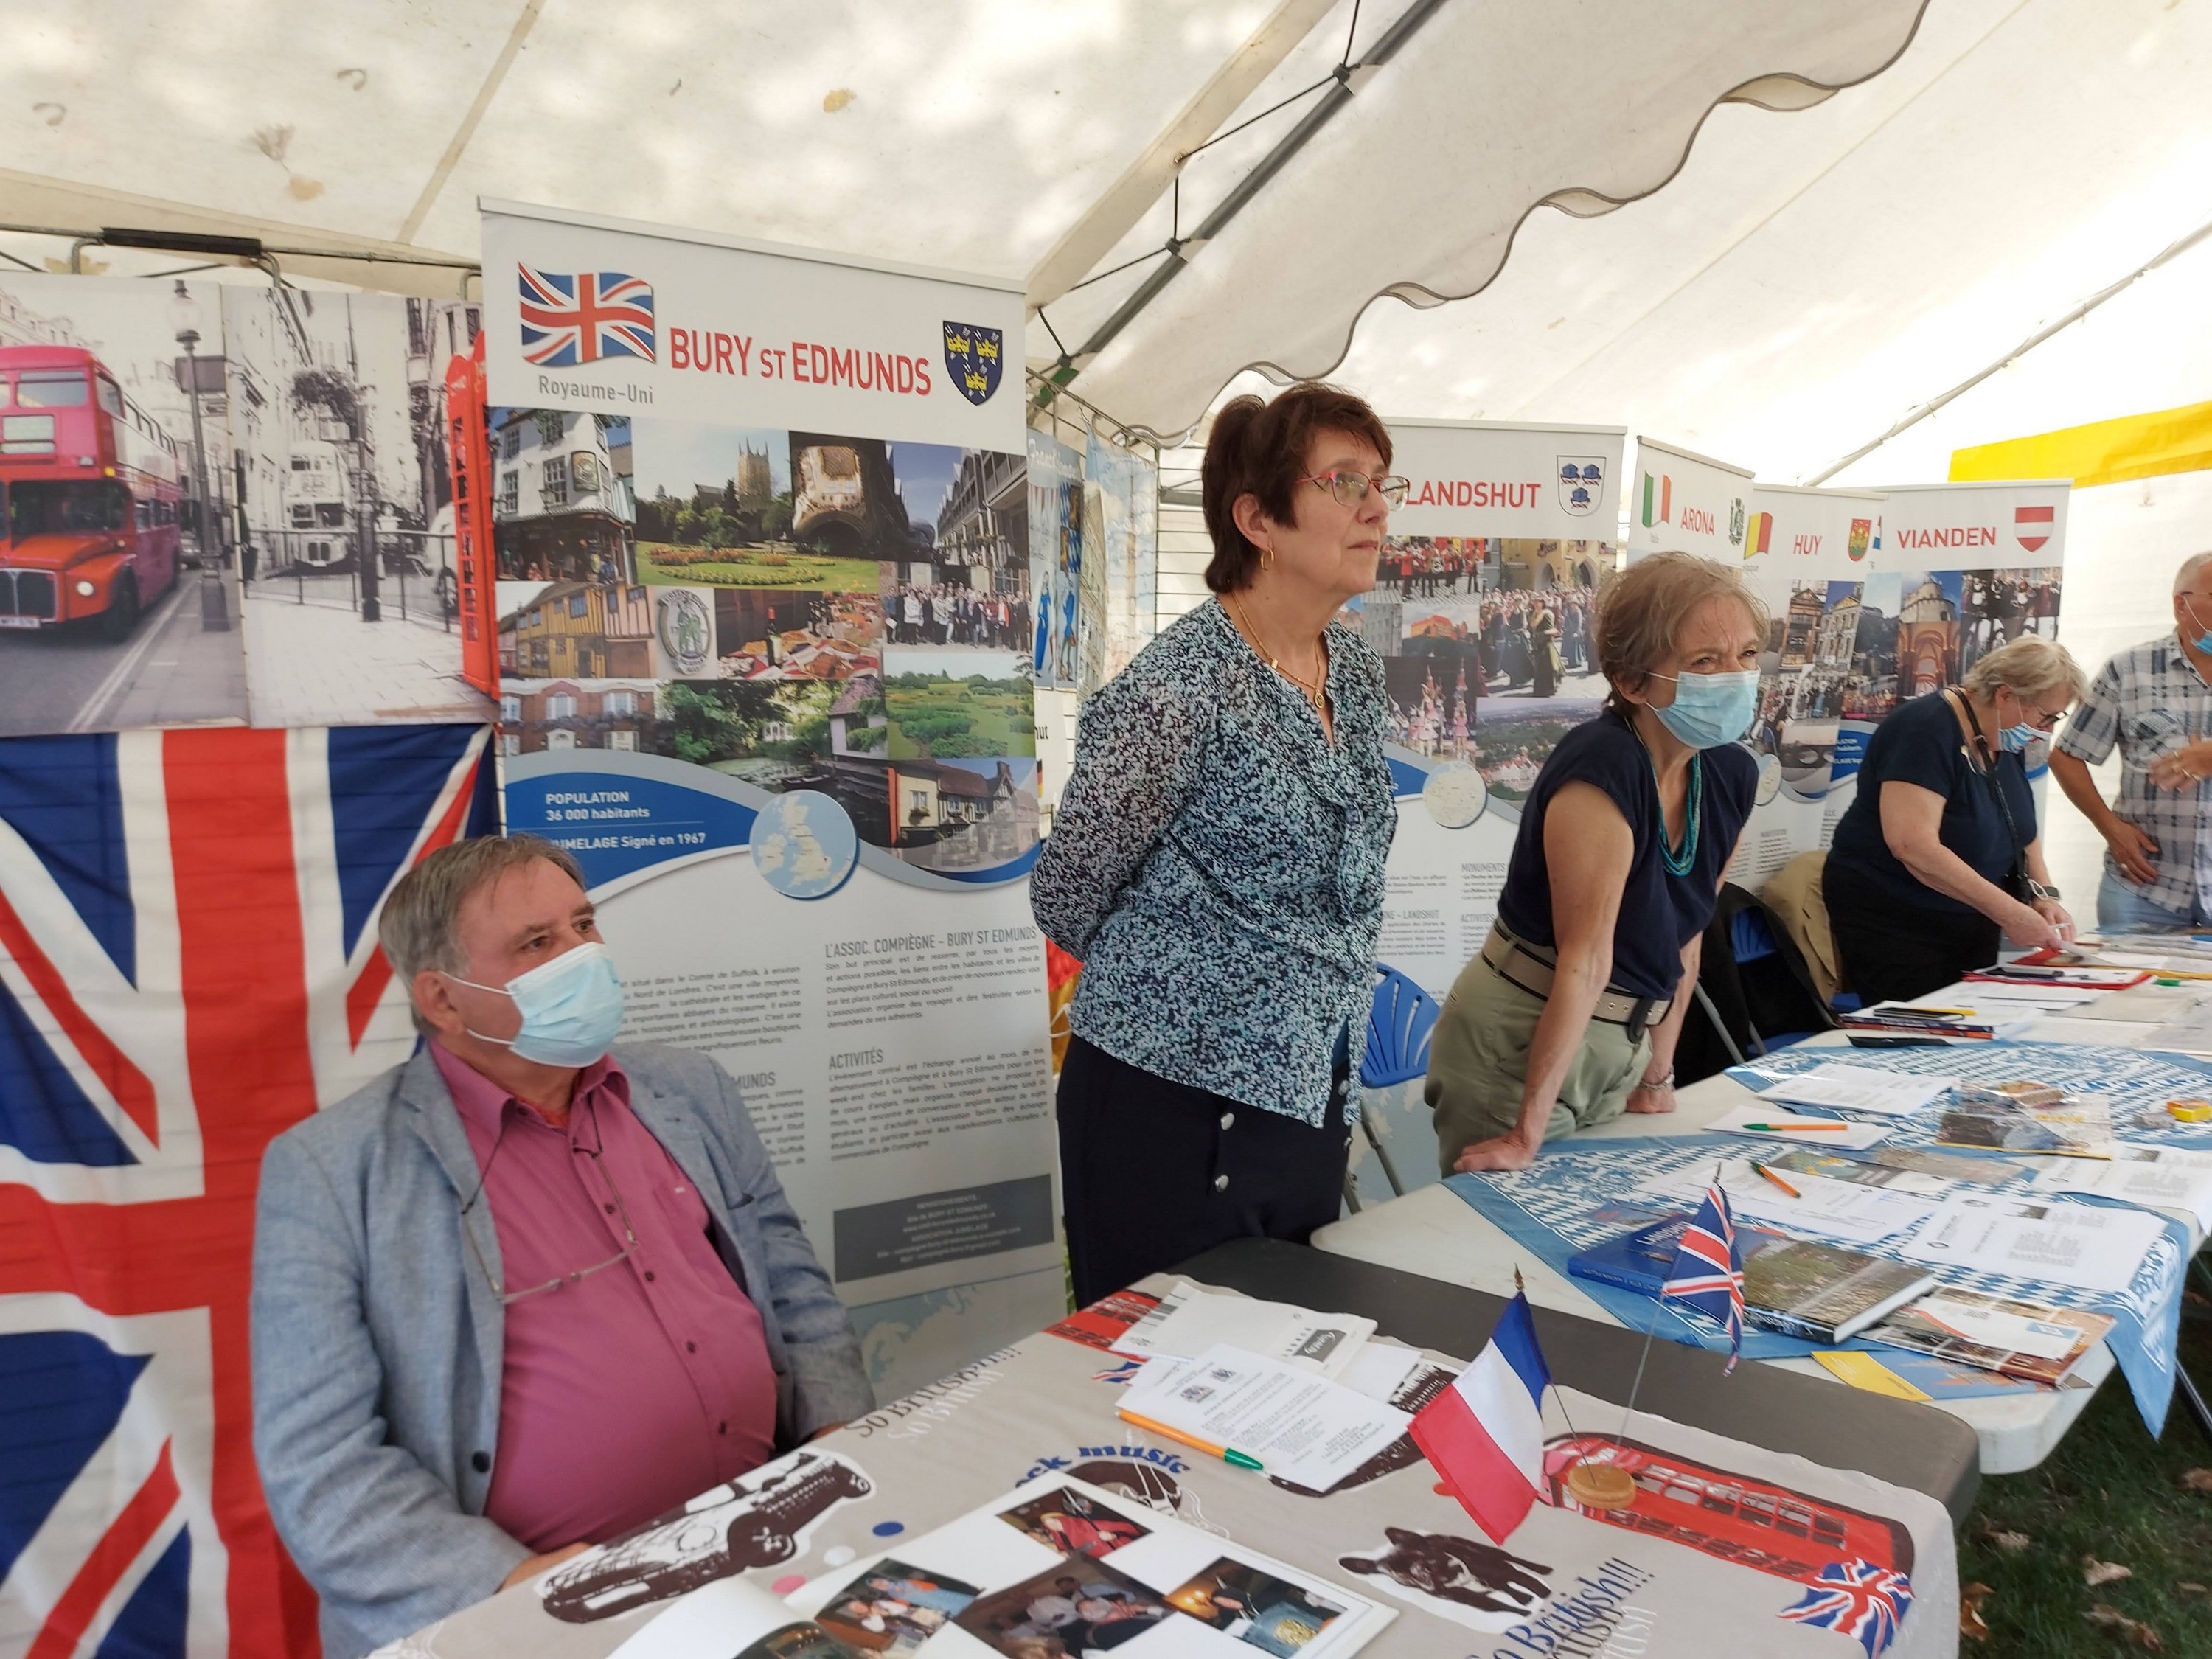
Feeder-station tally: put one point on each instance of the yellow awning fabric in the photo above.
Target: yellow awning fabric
(2101, 453)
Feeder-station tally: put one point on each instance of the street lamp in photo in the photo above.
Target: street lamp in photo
(184, 320)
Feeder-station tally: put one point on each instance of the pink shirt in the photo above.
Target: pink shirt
(648, 1382)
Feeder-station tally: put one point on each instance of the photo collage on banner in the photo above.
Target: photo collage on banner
(1874, 598)
(1482, 612)
(768, 636)
(1805, 553)
(1120, 578)
(228, 504)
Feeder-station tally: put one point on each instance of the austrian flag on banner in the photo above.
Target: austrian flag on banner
(2030, 525)
(1484, 1434)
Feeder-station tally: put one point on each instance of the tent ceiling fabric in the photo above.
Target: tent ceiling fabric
(969, 135)
(1805, 277)
(1809, 277)
(1416, 189)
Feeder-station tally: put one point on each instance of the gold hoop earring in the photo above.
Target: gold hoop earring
(1266, 558)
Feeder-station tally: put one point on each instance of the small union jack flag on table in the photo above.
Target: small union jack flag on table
(188, 967)
(580, 318)
(1707, 1274)
(1857, 1598)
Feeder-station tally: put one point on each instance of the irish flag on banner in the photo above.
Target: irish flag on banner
(1484, 1434)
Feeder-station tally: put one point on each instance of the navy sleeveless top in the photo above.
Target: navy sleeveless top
(1660, 913)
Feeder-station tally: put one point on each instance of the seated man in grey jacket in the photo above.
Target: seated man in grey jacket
(527, 1291)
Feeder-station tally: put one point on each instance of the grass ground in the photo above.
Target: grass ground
(756, 566)
(2112, 1494)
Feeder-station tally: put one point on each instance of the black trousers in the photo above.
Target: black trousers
(1892, 951)
(1153, 1172)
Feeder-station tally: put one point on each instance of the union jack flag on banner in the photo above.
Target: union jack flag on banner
(188, 966)
(1707, 1272)
(580, 318)
(1857, 1598)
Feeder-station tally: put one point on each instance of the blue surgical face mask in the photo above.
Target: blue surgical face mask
(2019, 738)
(2203, 641)
(1709, 710)
(571, 1007)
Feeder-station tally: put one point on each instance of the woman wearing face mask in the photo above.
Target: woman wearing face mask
(1937, 859)
(1568, 1014)
(1217, 865)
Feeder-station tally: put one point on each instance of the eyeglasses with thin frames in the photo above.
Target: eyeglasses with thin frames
(1351, 488)
(575, 1276)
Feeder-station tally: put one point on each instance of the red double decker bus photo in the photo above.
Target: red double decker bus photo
(89, 487)
(1755, 1524)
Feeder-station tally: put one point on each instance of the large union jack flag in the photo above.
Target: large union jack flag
(1857, 1598)
(580, 318)
(1707, 1272)
(188, 966)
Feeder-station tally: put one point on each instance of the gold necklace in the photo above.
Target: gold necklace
(1311, 690)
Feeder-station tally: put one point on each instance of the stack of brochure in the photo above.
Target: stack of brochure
(2033, 1341)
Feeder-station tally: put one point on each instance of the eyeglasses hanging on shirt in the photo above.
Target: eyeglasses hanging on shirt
(574, 1276)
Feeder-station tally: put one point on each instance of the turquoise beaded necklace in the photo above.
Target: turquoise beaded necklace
(1678, 862)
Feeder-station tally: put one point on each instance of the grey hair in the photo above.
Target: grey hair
(2191, 568)
(2028, 667)
(419, 927)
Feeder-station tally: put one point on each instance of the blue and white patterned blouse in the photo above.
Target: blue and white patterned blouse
(1217, 863)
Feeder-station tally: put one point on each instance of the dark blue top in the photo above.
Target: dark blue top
(1921, 743)
(1660, 913)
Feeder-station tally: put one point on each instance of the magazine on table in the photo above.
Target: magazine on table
(1824, 1293)
(2027, 1117)
(2034, 1341)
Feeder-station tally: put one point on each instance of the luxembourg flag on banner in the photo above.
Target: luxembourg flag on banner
(1484, 1434)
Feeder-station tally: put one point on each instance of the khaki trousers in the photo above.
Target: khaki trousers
(1479, 1065)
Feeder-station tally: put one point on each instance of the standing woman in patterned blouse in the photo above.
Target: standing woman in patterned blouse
(1217, 863)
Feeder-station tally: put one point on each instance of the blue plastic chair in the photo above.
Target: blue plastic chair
(1400, 1023)
(1750, 939)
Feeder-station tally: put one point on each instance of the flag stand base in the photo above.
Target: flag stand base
(1600, 1486)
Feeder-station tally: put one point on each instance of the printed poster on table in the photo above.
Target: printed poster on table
(1481, 610)
(762, 523)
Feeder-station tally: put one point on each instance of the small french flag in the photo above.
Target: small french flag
(1484, 1434)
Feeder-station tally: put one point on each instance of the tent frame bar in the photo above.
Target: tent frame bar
(1919, 412)
(1346, 77)
(246, 250)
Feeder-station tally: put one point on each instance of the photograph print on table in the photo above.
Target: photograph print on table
(1070, 1522)
(893, 1607)
(1256, 1607)
(117, 599)
(1068, 1611)
(346, 553)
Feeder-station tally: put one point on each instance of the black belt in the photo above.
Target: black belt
(1519, 964)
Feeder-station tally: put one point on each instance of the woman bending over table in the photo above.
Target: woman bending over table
(1938, 859)
(1570, 1012)
(1217, 863)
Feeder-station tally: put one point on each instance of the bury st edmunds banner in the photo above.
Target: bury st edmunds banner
(767, 636)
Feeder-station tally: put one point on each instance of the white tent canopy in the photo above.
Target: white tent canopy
(1804, 278)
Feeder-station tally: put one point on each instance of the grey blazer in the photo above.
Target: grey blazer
(377, 1345)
